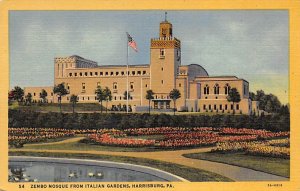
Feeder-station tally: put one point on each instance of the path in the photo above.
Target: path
(233, 172)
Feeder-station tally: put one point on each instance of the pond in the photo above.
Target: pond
(44, 169)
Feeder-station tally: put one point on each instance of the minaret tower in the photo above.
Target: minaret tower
(164, 60)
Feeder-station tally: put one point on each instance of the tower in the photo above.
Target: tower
(164, 61)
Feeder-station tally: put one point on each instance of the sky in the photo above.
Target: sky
(253, 44)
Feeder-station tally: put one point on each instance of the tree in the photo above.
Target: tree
(60, 91)
(28, 98)
(18, 93)
(100, 96)
(267, 102)
(174, 95)
(107, 95)
(149, 96)
(43, 95)
(234, 97)
(73, 100)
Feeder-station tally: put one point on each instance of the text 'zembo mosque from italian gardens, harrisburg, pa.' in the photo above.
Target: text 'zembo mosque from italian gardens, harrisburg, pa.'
(199, 91)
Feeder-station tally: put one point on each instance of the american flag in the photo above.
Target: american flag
(131, 42)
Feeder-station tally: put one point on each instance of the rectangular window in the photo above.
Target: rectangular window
(225, 106)
(162, 53)
(204, 107)
(106, 73)
(70, 74)
(231, 106)
(131, 85)
(96, 73)
(221, 107)
(85, 73)
(80, 73)
(75, 74)
(237, 106)
(139, 72)
(209, 107)
(101, 73)
(133, 72)
(91, 73)
(144, 72)
(111, 73)
(83, 86)
(215, 107)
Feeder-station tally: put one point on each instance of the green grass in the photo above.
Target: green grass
(270, 165)
(54, 107)
(191, 174)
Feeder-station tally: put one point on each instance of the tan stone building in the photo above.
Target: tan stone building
(199, 91)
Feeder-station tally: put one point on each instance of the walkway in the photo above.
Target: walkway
(233, 172)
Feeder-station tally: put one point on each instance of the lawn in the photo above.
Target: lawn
(270, 165)
(191, 174)
(54, 107)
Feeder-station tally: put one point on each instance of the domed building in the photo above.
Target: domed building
(199, 91)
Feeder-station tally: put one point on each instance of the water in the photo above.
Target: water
(58, 170)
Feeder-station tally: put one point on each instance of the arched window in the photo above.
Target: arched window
(227, 89)
(115, 85)
(206, 89)
(216, 89)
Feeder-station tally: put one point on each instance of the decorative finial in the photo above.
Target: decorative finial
(166, 16)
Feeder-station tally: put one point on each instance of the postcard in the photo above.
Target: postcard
(146, 95)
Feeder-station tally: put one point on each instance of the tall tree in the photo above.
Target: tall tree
(43, 95)
(149, 97)
(267, 102)
(18, 93)
(174, 95)
(107, 95)
(100, 96)
(28, 98)
(73, 100)
(60, 91)
(234, 97)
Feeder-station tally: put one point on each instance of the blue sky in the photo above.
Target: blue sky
(249, 44)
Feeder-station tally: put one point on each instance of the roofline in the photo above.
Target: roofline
(200, 67)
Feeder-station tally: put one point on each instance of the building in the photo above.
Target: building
(199, 91)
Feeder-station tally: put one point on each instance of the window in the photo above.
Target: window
(144, 72)
(80, 73)
(68, 86)
(221, 107)
(179, 84)
(225, 106)
(70, 74)
(209, 107)
(85, 73)
(227, 89)
(162, 69)
(237, 107)
(204, 107)
(133, 72)
(115, 97)
(83, 86)
(82, 98)
(122, 73)
(106, 73)
(231, 106)
(75, 74)
(96, 73)
(33, 94)
(206, 89)
(162, 53)
(111, 73)
(131, 85)
(101, 73)
(146, 85)
(88, 98)
(215, 107)
(117, 73)
(51, 94)
(139, 72)
(162, 82)
(67, 98)
(115, 85)
(216, 89)
(91, 73)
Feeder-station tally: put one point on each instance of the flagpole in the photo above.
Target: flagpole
(127, 79)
